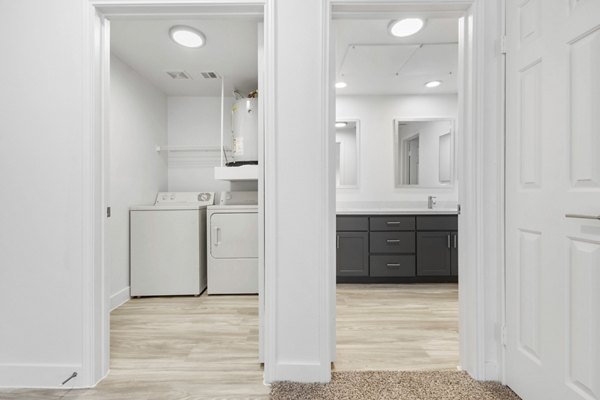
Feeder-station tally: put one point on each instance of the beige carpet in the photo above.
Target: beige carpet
(405, 385)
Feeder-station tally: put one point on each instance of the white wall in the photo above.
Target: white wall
(196, 121)
(41, 170)
(299, 201)
(376, 115)
(138, 122)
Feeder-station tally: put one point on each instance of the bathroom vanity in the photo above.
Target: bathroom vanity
(397, 246)
(388, 234)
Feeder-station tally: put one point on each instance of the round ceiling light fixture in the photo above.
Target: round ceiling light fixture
(187, 36)
(433, 84)
(341, 124)
(405, 27)
(340, 85)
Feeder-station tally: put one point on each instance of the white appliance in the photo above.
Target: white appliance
(244, 127)
(168, 245)
(233, 244)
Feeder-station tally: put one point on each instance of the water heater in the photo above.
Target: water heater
(244, 127)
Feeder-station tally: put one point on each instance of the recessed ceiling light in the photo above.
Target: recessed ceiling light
(187, 36)
(340, 85)
(341, 124)
(433, 84)
(405, 27)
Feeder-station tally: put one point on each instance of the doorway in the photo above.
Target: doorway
(411, 157)
(171, 97)
(374, 266)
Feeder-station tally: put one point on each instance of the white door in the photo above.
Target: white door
(234, 235)
(553, 169)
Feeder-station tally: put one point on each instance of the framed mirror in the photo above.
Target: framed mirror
(424, 152)
(347, 153)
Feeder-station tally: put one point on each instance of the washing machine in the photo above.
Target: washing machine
(232, 243)
(168, 245)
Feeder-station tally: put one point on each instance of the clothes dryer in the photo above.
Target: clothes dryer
(233, 244)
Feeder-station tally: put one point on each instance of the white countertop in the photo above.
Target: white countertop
(395, 208)
(395, 211)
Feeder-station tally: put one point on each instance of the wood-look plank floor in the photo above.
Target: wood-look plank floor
(207, 347)
(397, 327)
(178, 348)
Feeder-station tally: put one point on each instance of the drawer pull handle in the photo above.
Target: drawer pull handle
(393, 222)
(393, 241)
(582, 216)
(393, 265)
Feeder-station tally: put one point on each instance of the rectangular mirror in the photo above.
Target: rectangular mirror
(347, 153)
(424, 152)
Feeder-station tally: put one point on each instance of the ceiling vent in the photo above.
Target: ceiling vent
(210, 75)
(179, 75)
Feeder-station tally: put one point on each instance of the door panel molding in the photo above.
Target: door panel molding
(583, 317)
(530, 255)
(530, 124)
(585, 103)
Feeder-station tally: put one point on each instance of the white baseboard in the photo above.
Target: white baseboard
(39, 376)
(305, 373)
(119, 298)
(491, 372)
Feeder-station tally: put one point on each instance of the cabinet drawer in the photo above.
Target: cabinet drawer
(437, 223)
(395, 265)
(351, 223)
(392, 242)
(393, 223)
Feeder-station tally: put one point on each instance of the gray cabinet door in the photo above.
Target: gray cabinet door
(454, 260)
(352, 254)
(434, 253)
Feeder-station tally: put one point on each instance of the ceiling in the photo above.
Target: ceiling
(230, 51)
(373, 62)
(368, 58)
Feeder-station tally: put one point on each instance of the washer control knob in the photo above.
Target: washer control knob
(204, 197)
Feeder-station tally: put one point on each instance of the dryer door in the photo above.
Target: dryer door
(234, 235)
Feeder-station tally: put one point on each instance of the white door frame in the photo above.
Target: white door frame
(96, 290)
(471, 162)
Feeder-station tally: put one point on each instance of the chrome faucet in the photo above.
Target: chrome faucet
(431, 201)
